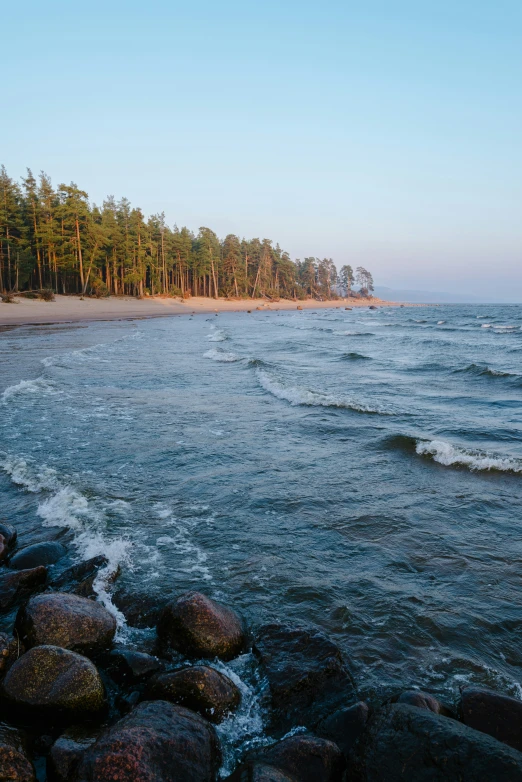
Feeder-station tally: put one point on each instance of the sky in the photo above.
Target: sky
(379, 133)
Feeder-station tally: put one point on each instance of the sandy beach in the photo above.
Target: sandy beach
(67, 309)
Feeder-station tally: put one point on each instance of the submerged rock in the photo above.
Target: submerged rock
(67, 751)
(345, 726)
(127, 666)
(3, 548)
(197, 627)
(52, 681)
(404, 742)
(157, 742)
(15, 766)
(69, 621)
(490, 712)
(37, 554)
(17, 585)
(200, 688)
(306, 672)
(303, 758)
(9, 534)
(424, 701)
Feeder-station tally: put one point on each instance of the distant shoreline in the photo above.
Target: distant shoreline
(71, 309)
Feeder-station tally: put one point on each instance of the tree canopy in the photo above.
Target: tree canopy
(54, 238)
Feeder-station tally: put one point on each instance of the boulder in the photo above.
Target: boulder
(36, 555)
(306, 673)
(157, 742)
(259, 772)
(405, 743)
(198, 627)
(345, 726)
(305, 758)
(79, 578)
(200, 688)
(140, 610)
(127, 666)
(490, 712)
(423, 701)
(54, 682)
(18, 585)
(9, 534)
(15, 766)
(67, 751)
(69, 621)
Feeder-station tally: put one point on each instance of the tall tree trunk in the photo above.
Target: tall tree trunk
(80, 257)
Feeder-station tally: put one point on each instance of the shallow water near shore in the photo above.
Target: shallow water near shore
(360, 470)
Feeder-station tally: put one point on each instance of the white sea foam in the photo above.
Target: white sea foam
(218, 335)
(486, 326)
(440, 322)
(221, 355)
(92, 352)
(303, 396)
(38, 387)
(64, 506)
(180, 539)
(451, 455)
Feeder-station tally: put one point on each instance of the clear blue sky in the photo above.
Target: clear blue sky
(379, 133)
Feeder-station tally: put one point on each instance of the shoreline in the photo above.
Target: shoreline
(71, 309)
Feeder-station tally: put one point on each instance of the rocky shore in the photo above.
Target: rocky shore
(77, 705)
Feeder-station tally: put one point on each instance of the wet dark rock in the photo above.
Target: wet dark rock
(305, 758)
(424, 701)
(490, 712)
(345, 726)
(79, 578)
(36, 555)
(69, 621)
(67, 751)
(3, 549)
(198, 627)
(8, 533)
(404, 742)
(127, 666)
(306, 672)
(140, 610)
(48, 680)
(348, 308)
(157, 742)
(259, 773)
(200, 688)
(372, 307)
(15, 766)
(10, 650)
(18, 585)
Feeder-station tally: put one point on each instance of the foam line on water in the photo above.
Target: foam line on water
(221, 355)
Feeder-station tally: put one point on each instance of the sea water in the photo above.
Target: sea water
(358, 470)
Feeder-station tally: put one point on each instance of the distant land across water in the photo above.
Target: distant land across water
(439, 297)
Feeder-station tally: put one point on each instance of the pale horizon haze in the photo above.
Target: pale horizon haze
(380, 134)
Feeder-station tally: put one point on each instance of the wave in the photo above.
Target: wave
(454, 456)
(218, 335)
(303, 396)
(482, 370)
(220, 355)
(37, 387)
(64, 506)
(83, 354)
(354, 333)
(353, 356)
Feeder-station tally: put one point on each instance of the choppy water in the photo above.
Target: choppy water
(360, 470)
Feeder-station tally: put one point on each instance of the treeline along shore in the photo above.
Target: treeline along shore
(77, 706)
(54, 239)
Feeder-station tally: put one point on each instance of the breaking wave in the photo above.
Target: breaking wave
(218, 335)
(454, 456)
(302, 396)
(64, 506)
(38, 387)
(221, 355)
(482, 370)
